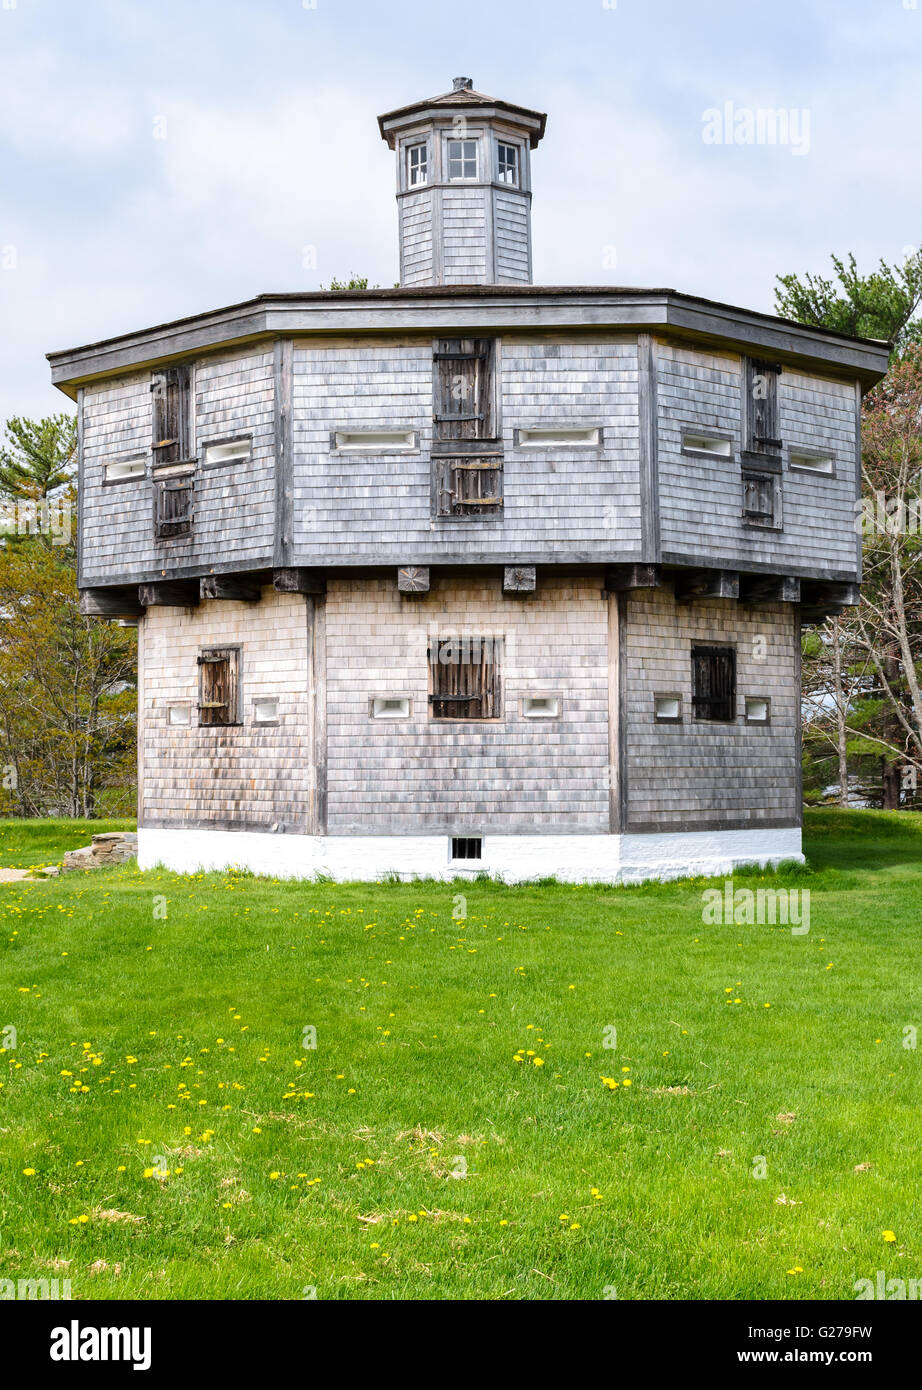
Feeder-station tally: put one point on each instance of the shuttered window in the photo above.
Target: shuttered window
(171, 392)
(173, 506)
(465, 678)
(469, 486)
(764, 422)
(714, 683)
(759, 507)
(218, 686)
(464, 389)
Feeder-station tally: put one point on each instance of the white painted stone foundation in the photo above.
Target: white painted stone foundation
(514, 858)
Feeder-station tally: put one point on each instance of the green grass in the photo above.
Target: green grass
(150, 1043)
(26, 843)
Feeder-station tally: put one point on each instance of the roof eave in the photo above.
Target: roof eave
(392, 122)
(498, 308)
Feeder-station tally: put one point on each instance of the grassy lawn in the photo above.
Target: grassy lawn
(27, 843)
(410, 1155)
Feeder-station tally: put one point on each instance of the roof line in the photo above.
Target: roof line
(476, 291)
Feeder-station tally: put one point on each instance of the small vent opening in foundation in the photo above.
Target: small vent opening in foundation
(464, 847)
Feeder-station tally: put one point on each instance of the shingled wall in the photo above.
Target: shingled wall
(701, 775)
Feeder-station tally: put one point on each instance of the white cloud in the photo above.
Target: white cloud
(272, 147)
(49, 111)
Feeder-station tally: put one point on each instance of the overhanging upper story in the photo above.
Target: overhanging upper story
(497, 424)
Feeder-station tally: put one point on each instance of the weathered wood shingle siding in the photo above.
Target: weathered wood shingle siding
(375, 507)
(701, 498)
(350, 504)
(243, 776)
(116, 522)
(512, 238)
(466, 252)
(566, 504)
(234, 503)
(416, 239)
(420, 776)
(699, 775)
(573, 499)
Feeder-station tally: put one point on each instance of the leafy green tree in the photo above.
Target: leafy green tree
(67, 691)
(863, 672)
(883, 304)
(881, 716)
(67, 683)
(39, 456)
(355, 282)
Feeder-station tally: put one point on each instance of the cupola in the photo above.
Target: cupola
(464, 187)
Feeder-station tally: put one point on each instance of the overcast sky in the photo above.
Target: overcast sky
(163, 157)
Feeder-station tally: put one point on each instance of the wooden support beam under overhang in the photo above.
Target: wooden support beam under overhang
(519, 579)
(622, 577)
(299, 581)
(169, 593)
(822, 600)
(821, 593)
(756, 589)
(692, 586)
(413, 579)
(242, 587)
(120, 601)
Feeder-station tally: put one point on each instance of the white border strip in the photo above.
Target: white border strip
(515, 858)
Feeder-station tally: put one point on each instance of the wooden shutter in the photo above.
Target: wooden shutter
(173, 506)
(465, 678)
(714, 682)
(218, 686)
(759, 498)
(172, 434)
(463, 407)
(470, 486)
(762, 393)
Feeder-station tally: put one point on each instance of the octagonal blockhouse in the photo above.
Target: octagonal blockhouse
(470, 574)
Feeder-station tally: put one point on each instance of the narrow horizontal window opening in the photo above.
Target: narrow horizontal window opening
(668, 709)
(812, 463)
(126, 470)
(378, 441)
(265, 711)
(390, 707)
(232, 451)
(466, 847)
(548, 437)
(541, 706)
(698, 443)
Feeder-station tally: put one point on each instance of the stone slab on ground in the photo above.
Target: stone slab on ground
(110, 847)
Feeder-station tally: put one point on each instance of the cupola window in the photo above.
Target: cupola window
(508, 164)
(462, 159)
(417, 165)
